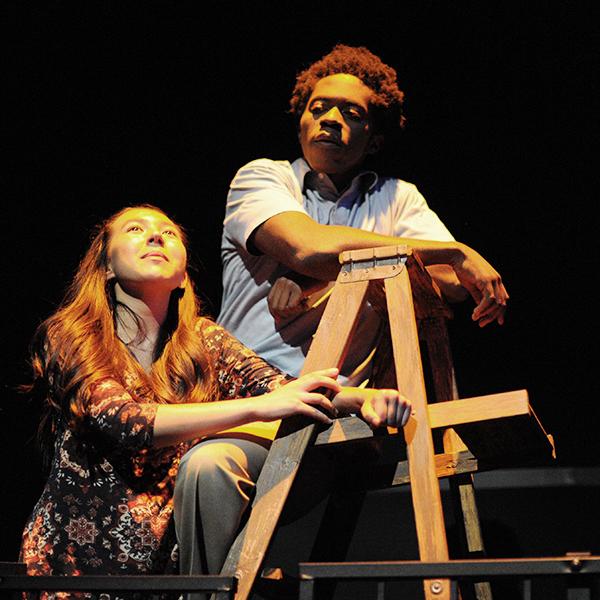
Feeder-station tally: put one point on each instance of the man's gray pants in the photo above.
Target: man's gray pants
(214, 487)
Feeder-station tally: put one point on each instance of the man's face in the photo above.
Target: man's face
(335, 127)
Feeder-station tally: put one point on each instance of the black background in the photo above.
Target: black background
(111, 106)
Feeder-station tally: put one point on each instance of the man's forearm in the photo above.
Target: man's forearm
(312, 249)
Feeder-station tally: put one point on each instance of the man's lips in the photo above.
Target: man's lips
(327, 138)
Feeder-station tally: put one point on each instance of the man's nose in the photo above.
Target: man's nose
(333, 116)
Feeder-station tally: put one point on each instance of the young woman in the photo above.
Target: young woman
(134, 382)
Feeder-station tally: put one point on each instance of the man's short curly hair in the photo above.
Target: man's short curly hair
(370, 69)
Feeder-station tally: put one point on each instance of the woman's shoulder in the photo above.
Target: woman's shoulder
(211, 332)
(205, 325)
(217, 339)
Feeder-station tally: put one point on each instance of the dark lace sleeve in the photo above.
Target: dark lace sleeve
(240, 372)
(113, 415)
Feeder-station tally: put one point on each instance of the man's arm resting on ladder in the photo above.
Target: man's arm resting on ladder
(312, 250)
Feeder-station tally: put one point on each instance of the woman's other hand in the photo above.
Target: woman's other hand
(378, 407)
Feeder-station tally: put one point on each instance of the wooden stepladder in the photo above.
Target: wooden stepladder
(383, 276)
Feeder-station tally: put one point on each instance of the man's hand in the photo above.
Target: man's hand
(377, 407)
(286, 299)
(484, 284)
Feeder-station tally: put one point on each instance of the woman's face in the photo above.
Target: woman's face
(146, 252)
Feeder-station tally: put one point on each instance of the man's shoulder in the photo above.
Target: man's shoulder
(266, 173)
(393, 187)
(267, 164)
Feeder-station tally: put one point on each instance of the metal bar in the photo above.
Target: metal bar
(462, 569)
(133, 583)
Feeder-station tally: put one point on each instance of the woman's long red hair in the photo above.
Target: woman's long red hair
(77, 346)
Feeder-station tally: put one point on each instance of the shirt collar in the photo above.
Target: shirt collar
(309, 179)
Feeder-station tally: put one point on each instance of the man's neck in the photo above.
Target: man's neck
(342, 182)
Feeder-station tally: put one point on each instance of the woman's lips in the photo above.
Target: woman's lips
(155, 255)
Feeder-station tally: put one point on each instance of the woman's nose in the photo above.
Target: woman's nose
(156, 238)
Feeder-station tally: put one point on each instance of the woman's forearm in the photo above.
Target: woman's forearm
(176, 423)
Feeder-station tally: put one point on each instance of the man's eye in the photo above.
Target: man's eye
(352, 113)
(317, 108)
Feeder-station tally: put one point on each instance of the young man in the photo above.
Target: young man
(286, 224)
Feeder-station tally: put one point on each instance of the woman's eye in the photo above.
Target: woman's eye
(170, 232)
(134, 228)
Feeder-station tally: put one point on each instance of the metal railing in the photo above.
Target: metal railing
(583, 571)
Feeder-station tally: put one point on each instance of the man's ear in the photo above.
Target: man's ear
(375, 144)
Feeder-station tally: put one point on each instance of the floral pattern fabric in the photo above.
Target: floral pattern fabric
(107, 505)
